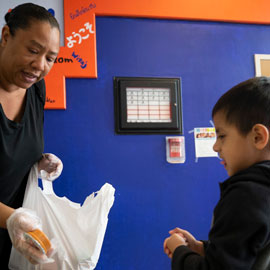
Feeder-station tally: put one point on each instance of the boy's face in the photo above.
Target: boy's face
(236, 151)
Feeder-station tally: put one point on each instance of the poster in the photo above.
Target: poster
(205, 139)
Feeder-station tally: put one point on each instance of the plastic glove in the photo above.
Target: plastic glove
(23, 220)
(50, 167)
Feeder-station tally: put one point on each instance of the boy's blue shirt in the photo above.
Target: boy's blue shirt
(241, 226)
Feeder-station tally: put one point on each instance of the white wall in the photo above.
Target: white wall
(56, 5)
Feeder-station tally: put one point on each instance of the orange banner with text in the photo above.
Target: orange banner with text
(77, 59)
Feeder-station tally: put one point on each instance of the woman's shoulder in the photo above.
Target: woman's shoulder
(40, 90)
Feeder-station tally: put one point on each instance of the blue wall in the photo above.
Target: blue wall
(152, 196)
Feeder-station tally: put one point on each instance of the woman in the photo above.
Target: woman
(28, 48)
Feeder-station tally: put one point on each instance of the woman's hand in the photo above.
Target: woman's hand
(21, 221)
(49, 167)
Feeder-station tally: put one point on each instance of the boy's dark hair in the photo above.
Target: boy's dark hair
(246, 104)
(22, 16)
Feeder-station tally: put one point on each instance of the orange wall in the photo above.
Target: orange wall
(242, 11)
(246, 11)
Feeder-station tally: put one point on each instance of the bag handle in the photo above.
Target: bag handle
(47, 186)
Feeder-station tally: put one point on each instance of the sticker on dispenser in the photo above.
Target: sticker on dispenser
(175, 149)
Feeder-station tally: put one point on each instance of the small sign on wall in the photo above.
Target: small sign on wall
(262, 64)
(205, 139)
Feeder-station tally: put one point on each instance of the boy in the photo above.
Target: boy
(241, 225)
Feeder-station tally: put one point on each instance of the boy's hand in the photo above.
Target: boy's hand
(172, 242)
(192, 243)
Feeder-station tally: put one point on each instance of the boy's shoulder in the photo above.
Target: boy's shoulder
(256, 175)
(246, 192)
(257, 170)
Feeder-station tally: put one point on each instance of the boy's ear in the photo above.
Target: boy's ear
(260, 136)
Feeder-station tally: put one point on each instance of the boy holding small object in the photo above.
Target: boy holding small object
(240, 234)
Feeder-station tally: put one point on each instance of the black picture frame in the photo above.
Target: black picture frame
(123, 126)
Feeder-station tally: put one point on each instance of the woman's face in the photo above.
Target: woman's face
(29, 55)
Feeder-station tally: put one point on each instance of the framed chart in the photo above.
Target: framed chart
(147, 105)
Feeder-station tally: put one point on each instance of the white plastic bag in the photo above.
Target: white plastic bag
(78, 230)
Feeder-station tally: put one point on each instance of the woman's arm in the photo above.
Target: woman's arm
(5, 212)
